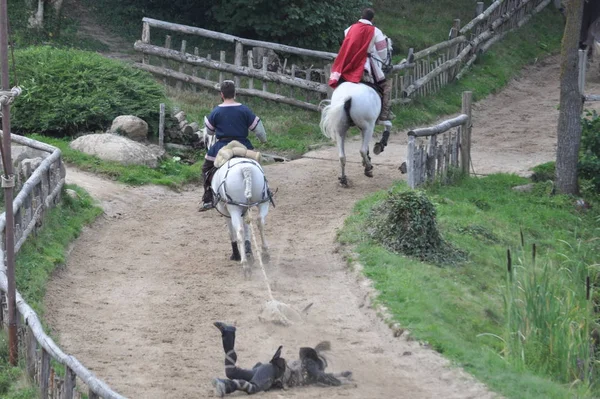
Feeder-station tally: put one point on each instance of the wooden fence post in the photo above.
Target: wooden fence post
(327, 70)
(146, 39)
(69, 386)
(92, 395)
(195, 69)
(163, 62)
(465, 153)
(582, 71)
(453, 53)
(181, 64)
(44, 374)
(264, 69)
(31, 354)
(221, 59)
(410, 162)
(161, 127)
(251, 66)
(208, 74)
(239, 55)
(479, 8)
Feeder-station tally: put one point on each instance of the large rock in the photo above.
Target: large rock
(130, 126)
(111, 147)
(21, 152)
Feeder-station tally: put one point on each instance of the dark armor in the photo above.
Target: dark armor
(309, 369)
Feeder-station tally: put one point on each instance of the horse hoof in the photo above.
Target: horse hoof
(235, 257)
(343, 181)
(378, 148)
(369, 171)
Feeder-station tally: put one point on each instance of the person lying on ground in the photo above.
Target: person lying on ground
(309, 369)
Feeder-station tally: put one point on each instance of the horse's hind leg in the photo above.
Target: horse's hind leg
(340, 145)
(237, 224)
(263, 209)
(367, 134)
(235, 255)
(247, 242)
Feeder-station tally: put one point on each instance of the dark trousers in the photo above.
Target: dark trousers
(260, 378)
(208, 170)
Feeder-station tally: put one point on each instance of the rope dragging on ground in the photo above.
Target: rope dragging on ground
(273, 311)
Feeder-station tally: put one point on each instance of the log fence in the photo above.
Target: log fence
(39, 193)
(434, 151)
(427, 72)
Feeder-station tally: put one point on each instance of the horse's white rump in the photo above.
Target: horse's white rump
(239, 185)
(351, 103)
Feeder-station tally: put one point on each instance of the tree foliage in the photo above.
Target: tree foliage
(313, 23)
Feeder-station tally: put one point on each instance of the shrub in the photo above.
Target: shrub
(405, 223)
(589, 157)
(67, 91)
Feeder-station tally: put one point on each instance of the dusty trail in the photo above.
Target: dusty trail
(141, 288)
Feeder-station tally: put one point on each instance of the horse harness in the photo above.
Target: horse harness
(217, 197)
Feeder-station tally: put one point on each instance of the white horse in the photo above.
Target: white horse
(359, 104)
(239, 185)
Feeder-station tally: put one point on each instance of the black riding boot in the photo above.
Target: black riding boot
(208, 170)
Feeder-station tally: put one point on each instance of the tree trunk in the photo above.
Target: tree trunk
(571, 103)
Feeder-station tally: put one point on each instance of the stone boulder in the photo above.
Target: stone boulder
(111, 147)
(130, 126)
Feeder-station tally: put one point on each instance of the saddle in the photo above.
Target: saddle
(235, 149)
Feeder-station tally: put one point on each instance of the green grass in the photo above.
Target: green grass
(34, 265)
(171, 172)
(450, 307)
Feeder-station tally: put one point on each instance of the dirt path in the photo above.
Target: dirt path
(141, 288)
(90, 28)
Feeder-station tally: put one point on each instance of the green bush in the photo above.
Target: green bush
(405, 223)
(68, 91)
(589, 158)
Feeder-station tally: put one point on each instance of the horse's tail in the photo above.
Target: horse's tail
(247, 172)
(335, 116)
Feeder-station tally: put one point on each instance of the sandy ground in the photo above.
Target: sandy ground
(140, 290)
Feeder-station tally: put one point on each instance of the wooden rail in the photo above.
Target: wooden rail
(40, 192)
(434, 159)
(425, 73)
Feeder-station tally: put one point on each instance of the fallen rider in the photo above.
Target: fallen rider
(308, 370)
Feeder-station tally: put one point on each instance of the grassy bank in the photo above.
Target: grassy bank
(34, 265)
(172, 172)
(459, 309)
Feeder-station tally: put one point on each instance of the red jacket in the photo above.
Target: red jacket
(350, 61)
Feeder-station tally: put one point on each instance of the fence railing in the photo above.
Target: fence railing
(434, 151)
(304, 87)
(447, 61)
(40, 192)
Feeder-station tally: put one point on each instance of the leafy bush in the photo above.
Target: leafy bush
(589, 158)
(68, 91)
(311, 24)
(405, 222)
(544, 172)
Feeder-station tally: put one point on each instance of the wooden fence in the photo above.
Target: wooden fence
(304, 87)
(42, 191)
(431, 157)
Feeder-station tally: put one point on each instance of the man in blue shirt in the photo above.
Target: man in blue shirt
(229, 121)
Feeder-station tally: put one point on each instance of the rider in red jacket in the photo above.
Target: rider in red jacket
(361, 57)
